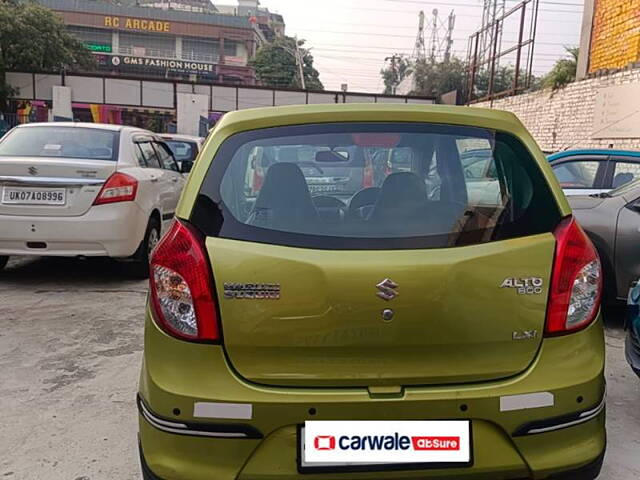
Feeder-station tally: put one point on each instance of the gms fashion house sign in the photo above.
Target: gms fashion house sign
(177, 66)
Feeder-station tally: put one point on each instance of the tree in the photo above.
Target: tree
(393, 76)
(564, 70)
(435, 79)
(275, 65)
(32, 39)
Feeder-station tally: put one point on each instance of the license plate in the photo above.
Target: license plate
(34, 196)
(360, 445)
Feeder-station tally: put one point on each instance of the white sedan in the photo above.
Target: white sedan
(84, 189)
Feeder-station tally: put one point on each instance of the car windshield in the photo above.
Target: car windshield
(64, 142)
(624, 189)
(388, 183)
(182, 149)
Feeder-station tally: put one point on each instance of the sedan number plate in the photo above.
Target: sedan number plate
(34, 196)
(356, 444)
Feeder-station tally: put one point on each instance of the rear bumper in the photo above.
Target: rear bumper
(113, 230)
(587, 472)
(176, 375)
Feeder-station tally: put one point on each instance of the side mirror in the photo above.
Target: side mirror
(635, 205)
(186, 166)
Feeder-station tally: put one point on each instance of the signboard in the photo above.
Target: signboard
(125, 63)
(96, 47)
(617, 112)
(143, 24)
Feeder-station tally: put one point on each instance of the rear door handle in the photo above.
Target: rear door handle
(174, 179)
(154, 179)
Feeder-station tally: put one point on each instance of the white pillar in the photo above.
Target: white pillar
(179, 48)
(62, 104)
(191, 108)
(115, 42)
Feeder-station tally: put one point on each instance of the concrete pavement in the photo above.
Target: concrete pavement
(70, 350)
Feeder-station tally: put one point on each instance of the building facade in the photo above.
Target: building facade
(167, 40)
(610, 36)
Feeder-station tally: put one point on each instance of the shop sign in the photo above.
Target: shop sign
(144, 24)
(96, 47)
(172, 65)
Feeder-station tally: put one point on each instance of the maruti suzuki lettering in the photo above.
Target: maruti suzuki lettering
(339, 298)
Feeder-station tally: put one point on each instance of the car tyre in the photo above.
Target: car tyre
(3, 261)
(138, 267)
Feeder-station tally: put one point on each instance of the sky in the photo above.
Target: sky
(350, 39)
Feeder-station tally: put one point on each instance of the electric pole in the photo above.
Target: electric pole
(394, 71)
(300, 62)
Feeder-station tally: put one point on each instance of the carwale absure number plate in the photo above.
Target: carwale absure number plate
(341, 444)
(33, 196)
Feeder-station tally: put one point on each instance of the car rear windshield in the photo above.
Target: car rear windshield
(64, 142)
(374, 186)
(183, 150)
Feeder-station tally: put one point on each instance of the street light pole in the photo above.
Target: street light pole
(299, 61)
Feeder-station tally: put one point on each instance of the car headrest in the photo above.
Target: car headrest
(284, 200)
(622, 179)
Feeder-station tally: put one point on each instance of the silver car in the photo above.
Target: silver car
(612, 220)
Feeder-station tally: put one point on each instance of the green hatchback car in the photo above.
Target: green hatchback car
(396, 323)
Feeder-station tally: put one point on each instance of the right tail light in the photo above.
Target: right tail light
(119, 187)
(576, 281)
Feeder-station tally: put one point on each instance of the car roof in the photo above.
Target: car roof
(257, 118)
(98, 126)
(595, 152)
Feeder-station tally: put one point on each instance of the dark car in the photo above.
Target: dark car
(612, 221)
(583, 172)
(632, 345)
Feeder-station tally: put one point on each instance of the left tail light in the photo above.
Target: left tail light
(367, 175)
(181, 285)
(119, 187)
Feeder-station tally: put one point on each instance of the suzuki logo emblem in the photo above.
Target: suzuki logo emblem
(387, 289)
(33, 171)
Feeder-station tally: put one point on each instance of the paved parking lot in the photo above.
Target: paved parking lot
(70, 349)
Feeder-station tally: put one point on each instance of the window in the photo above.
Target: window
(65, 142)
(95, 39)
(364, 186)
(183, 150)
(625, 172)
(230, 48)
(166, 157)
(201, 50)
(577, 174)
(139, 155)
(141, 44)
(150, 155)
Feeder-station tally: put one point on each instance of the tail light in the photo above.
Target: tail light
(367, 177)
(576, 281)
(119, 187)
(258, 178)
(182, 295)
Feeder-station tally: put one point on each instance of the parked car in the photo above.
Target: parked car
(185, 148)
(76, 189)
(583, 172)
(632, 325)
(280, 343)
(612, 221)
